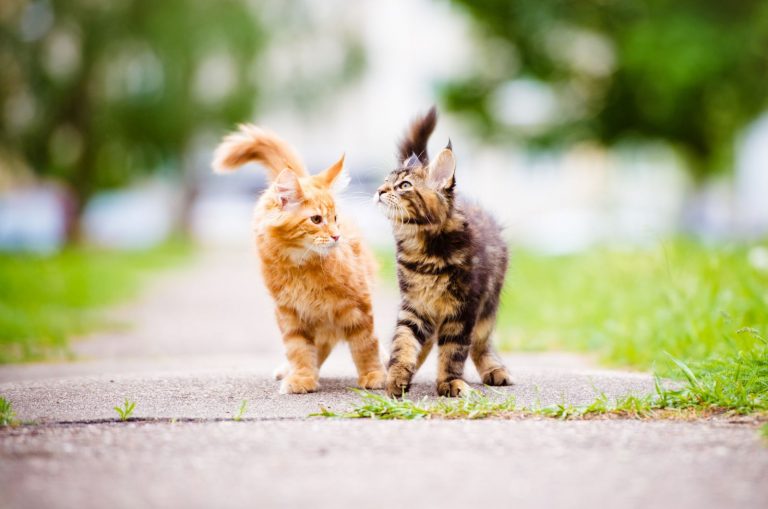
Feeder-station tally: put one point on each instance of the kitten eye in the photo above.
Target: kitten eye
(404, 185)
(335, 219)
(317, 219)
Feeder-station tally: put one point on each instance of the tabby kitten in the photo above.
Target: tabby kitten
(451, 263)
(314, 264)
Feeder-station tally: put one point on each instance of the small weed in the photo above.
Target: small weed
(126, 410)
(7, 415)
(241, 411)
(764, 432)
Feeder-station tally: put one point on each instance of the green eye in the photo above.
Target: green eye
(317, 219)
(404, 185)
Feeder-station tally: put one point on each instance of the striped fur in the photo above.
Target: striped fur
(451, 263)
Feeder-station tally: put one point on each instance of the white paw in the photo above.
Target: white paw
(294, 384)
(281, 371)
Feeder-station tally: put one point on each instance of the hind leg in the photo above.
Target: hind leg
(487, 361)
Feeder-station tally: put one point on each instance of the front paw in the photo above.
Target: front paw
(453, 388)
(372, 380)
(298, 384)
(398, 381)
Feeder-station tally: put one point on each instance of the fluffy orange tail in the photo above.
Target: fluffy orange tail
(251, 143)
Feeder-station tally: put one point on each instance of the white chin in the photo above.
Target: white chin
(387, 211)
(323, 250)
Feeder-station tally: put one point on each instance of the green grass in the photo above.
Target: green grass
(479, 405)
(7, 415)
(241, 411)
(476, 405)
(126, 410)
(714, 392)
(764, 432)
(633, 307)
(44, 301)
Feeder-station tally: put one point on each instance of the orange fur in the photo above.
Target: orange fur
(317, 270)
(251, 143)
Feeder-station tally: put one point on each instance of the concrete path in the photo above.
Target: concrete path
(203, 339)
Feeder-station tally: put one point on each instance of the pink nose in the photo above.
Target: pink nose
(335, 238)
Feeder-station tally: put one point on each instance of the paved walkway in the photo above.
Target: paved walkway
(203, 339)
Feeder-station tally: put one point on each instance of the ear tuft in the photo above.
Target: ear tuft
(450, 145)
(412, 162)
(441, 170)
(342, 181)
(288, 189)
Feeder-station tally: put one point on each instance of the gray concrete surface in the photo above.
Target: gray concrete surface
(203, 339)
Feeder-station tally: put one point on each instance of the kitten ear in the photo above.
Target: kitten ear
(288, 189)
(441, 170)
(335, 175)
(412, 162)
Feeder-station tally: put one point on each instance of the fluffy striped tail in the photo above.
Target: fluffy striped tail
(417, 136)
(251, 143)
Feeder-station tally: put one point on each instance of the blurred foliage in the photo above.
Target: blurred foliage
(46, 300)
(688, 72)
(95, 92)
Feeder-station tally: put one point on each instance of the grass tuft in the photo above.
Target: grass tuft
(7, 415)
(241, 411)
(126, 410)
(476, 405)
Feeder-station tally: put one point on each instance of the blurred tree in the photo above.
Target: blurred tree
(690, 72)
(95, 92)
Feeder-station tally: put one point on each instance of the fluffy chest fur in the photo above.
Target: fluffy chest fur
(328, 292)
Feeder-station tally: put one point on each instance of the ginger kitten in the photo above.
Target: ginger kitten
(451, 262)
(314, 264)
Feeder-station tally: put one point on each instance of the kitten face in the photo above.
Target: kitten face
(304, 216)
(415, 194)
(319, 222)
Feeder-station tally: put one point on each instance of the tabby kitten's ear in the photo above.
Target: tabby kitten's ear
(441, 169)
(335, 176)
(288, 189)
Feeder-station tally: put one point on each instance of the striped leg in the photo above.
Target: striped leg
(453, 349)
(487, 361)
(411, 333)
(301, 353)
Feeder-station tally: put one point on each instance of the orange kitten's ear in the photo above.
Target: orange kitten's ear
(335, 175)
(288, 189)
(442, 169)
